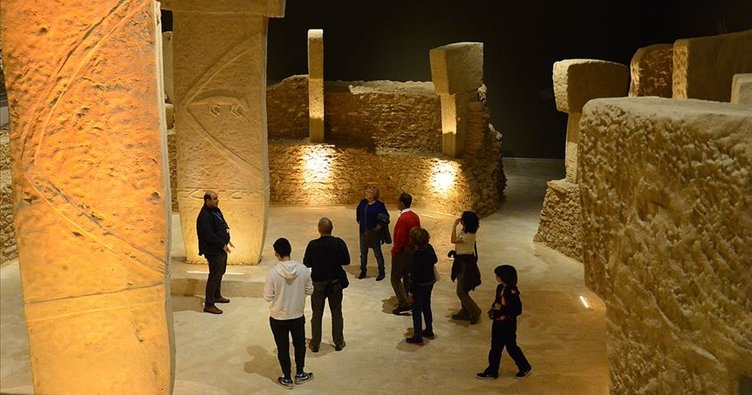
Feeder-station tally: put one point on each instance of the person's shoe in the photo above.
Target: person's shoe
(475, 320)
(522, 374)
(485, 376)
(362, 275)
(380, 277)
(212, 309)
(286, 382)
(314, 348)
(461, 317)
(222, 299)
(429, 335)
(416, 341)
(339, 347)
(302, 378)
(400, 310)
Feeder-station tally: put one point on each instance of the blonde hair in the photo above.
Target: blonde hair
(373, 189)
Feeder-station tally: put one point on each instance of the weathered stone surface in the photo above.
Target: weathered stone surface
(168, 67)
(457, 68)
(220, 80)
(705, 66)
(268, 8)
(169, 115)
(560, 225)
(7, 234)
(741, 89)
(570, 149)
(652, 71)
(91, 209)
(667, 232)
(316, 85)
(287, 108)
(578, 80)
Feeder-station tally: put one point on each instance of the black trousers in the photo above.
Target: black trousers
(504, 334)
(282, 329)
(217, 267)
(323, 290)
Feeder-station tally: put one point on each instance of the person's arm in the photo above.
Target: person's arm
(399, 230)
(307, 260)
(510, 303)
(346, 252)
(359, 212)
(206, 231)
(455, 239)
(309, 284)
(432, 255)
(268, 288)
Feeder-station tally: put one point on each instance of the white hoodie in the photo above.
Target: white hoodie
(287, 284)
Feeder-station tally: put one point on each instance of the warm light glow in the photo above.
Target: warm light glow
(317, 163)
(444, 174)
(585, 302)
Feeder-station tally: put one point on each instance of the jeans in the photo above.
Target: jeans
(504, 334)
(364, 255)
(217, 267)
(282, 329)
(400, 275)
(323, 290)
(422, 306)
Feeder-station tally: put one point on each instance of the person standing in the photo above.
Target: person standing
(367, 214)
(422, 278)
(465, 267)
(214, 244)
(286, 287)
(401, 254)
(326, 257)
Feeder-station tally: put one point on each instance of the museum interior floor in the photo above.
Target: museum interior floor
(234, 353)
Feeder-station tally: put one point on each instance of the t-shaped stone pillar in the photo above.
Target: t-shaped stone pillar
(316, 85)
(219, 55)
(457, 73)
(576, 81)
(91, 199)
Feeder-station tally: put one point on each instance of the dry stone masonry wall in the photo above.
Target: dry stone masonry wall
(652, 71)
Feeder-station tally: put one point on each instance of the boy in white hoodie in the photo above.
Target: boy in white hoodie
(287, 285)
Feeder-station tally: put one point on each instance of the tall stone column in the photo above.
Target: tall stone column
(91, 199)
(219, 57)
(316, 85)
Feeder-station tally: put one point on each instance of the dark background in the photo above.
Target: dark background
(390, 39)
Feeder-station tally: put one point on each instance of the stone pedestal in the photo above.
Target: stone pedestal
(91, 199)
(457, 73)
(219, 56)
(316, 85)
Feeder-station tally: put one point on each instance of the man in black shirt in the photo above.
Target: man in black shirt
(214, 244)
(326, 256)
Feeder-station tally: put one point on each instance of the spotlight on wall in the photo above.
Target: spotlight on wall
(585, 302)
(444, 174)
(317, 163)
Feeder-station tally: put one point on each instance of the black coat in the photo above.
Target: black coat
(212, 230)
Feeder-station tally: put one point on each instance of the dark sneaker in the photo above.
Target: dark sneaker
(212, 310)
(362, 275)
(222, 299)
(522, 374)
(400, 310)
(416, 341)
(314, 348)
(429, 335)
(285, 382)
(301, 378)
(485, 376)
(380, 277)
(339, 347)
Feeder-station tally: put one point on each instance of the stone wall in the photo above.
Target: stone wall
(652, 71)
(667, 240)
(7, 235)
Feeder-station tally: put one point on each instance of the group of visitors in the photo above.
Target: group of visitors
(322, 276)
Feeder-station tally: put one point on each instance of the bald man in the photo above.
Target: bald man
(326, 256)
(214, 244)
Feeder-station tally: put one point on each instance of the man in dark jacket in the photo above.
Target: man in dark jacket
(326, 256)
(214, 244)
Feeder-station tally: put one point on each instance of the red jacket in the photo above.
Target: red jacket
(406, 221)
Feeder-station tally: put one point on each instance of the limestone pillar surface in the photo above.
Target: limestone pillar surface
(316, 85)
(91, 198)
(741, 89)
(652, 71)
(457, 73)
(219, 60)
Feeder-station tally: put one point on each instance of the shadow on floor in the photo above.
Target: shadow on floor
(263, 363)
(230, 289)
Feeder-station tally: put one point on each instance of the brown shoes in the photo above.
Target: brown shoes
(222, 299)
(212, 310)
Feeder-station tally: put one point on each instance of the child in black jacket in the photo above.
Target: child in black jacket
(504, 311)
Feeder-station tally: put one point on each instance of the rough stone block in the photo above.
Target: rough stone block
(560, 225)
(667, 239)
(457, 68)
(578, 80)
(741, 89)
(652, 71)
(316, 85)
(90, 202)
(705, 66)
(268, 8)
(167, 66)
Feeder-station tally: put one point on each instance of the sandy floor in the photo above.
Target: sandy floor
(235, 354)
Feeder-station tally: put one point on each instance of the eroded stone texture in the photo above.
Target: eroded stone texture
(652, 71)
(219, 55)
(457, 73)
(560, 225)
(168, 67)
(741, 89)
(316, 85)
(705, 66)
(7, 234)
(667, 232)
(91, 201)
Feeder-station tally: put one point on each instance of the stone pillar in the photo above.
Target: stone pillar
(705, 66)
(91, 198)
(652, 71)
(316, 85)
(219, 55)
(457, 73)
(741, 89)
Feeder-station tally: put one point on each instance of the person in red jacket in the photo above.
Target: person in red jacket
(401, 255)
